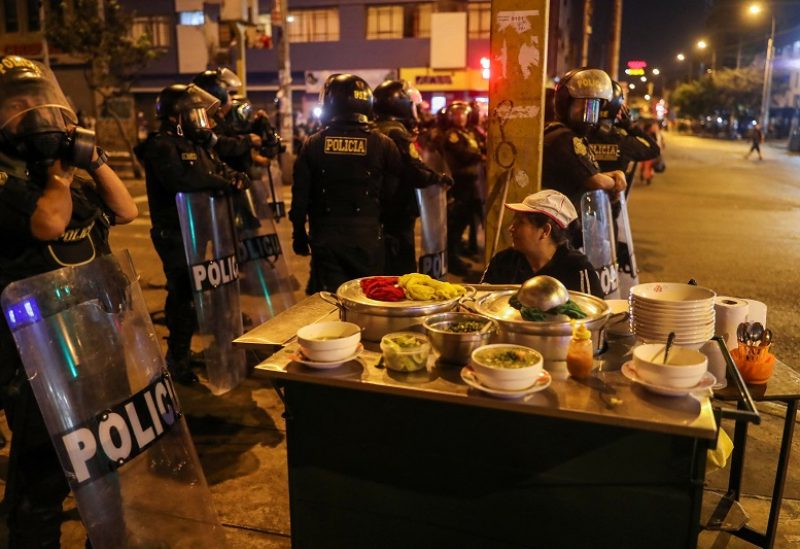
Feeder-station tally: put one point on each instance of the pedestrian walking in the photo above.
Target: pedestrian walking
(756, 139)
(344, 177)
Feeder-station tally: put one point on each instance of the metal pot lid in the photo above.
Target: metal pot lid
(352, 297)
(495, 305)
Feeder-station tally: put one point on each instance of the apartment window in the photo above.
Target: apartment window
(399, 21)
(34, 23)
(157, 28)
(320, 25)
(11, 15)
(191, 18)
(384, 22)
(479, 15)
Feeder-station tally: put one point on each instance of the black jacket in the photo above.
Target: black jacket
(616, 148)
(344, 174)
(567, 162)
(174, 164)
(569, 266)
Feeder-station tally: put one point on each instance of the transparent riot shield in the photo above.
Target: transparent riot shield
(265, 285)
(94, 363)
(432, 201)
(210, 246)
(598, 240)
(628, 269)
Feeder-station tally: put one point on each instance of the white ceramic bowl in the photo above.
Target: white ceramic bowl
(670, 292)
(683, 369)
(329, 341)
(509, 379)
(648, 308)
(681, 331)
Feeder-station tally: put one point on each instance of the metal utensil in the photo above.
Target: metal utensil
(670, 341)
(755, 332)
(741, 331)
(543, 293)
(767, 339)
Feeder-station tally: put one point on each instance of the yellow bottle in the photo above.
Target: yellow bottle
(579, 353)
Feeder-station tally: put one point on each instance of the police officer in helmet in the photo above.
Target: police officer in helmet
(616, 143)
(568, 164)
(233, 147)
(464, 157)
(396, 117)
(180, 158)
(343, 177)
(50, 218)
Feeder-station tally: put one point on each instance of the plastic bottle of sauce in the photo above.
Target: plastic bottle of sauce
(579, 353)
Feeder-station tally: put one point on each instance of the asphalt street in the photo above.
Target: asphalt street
(727, 222)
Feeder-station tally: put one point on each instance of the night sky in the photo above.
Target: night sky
(657, 30)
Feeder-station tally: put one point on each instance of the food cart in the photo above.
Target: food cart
(379, 458)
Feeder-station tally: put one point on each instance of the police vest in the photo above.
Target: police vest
(348, 176)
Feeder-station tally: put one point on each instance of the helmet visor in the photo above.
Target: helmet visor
(198, 118)
(230, 79)
(32, 99)
(590, 111)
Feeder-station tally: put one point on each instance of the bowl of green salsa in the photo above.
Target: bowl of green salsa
(507, 367)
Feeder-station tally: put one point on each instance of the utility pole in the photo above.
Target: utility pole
(587, 31)
(767, 91)
(43, 30)
(616, 34)
(286, 129)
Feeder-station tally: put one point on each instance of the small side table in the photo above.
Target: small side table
(783, 386)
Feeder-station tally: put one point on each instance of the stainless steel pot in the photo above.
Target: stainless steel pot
(378, 318)
(549, 338)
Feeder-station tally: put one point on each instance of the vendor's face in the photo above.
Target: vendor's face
(526, 237)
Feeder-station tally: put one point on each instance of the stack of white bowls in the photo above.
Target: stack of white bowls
(658, 308)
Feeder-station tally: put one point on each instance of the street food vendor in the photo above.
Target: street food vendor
(541, 232)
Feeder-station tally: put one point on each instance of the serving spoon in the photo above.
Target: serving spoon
(670, 341)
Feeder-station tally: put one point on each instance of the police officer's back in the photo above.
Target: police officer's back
(396, 117)
(343, 177)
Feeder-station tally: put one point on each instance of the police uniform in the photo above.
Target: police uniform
(463, 156)
(36, 485)
(569, 266)
(344, 177)
(620, 148)
(175, 164)
(233, 148)
(567, 161)
(399, 219)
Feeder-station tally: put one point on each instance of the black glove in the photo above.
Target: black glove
(300, 244)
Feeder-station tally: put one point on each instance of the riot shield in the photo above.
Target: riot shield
(210, 246)
(598, 240)
(628, 269)
(432, 201)
(269, 178)
(265, 285)
(95, 366)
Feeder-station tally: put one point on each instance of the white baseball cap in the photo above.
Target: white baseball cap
(551, 203)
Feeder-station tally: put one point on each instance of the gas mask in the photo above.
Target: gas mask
(40, 136)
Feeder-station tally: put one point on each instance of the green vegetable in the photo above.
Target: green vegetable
(465, 326)
(570, 309)
(506, 358)
(405, 353)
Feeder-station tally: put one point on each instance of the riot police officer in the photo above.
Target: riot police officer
(50, 218)
(396, 117)
(343, 176)
(180, 158)
(568, 164)
(234, 148)
(616, 143)
(465, 160)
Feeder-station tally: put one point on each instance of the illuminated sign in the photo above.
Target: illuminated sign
(637, 65)
(634, 72)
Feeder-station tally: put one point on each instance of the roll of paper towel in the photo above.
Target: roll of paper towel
(729, 313)
(757, 312)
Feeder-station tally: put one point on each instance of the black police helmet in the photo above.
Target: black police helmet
(211, 81)
(454, 108)
(393, 102)
(591, 86)
(611, 108)
(346, 97)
